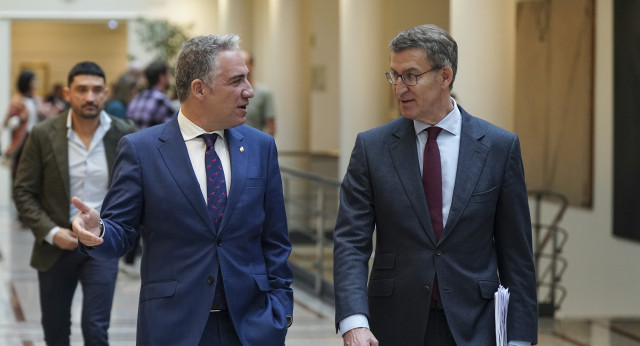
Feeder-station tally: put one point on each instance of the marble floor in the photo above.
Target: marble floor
(20, 313)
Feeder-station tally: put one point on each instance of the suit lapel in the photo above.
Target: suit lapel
(174, 153)
(239, 160)
(60, 147)
(402, 149)
(471, 160)
(110, 142)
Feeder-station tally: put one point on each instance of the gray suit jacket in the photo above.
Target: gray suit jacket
(486, 240)
(41, 188)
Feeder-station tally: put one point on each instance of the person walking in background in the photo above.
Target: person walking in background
(70, 154)
(261, 112)
(152, 106)
(148, 108)
(205, 194)
(55, 100)
(123, 91)
(25, 109)
(445, 192)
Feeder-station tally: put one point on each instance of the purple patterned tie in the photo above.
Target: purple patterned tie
(216, 185)
(216, 201)
(432, 182)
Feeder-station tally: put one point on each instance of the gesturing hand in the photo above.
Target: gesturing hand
(86, 224)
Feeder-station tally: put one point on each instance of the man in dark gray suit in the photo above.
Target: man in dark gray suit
(67, 155)
(446, 195)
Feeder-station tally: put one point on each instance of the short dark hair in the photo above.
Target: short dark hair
(154, 71)
(24, 82)
(86, 67)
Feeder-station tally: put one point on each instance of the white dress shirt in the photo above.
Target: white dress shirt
(88, 169)
(449, 146)
(197, 148)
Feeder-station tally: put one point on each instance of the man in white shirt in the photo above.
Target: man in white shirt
(70, 154)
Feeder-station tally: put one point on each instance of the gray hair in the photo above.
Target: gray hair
(441, 48)
(198, 59)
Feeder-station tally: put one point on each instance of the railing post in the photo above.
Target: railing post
(319, 239)
(541, 234)
(285, 188)
(537, 226)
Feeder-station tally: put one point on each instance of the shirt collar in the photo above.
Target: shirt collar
(450, 123)
(104, 126)
(190, 130)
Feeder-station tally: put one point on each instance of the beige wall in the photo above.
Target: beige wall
(59, 46)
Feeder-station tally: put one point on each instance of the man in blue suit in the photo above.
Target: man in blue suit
(445, 192)
(196, 248)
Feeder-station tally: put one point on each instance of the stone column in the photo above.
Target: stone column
(485, 80)
(235, 16)
(283, 64)
(363, 60)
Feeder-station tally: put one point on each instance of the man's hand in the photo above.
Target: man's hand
(65, 239)
(86, 224)
(359, 337)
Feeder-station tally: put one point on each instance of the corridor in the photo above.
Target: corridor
(313, 319)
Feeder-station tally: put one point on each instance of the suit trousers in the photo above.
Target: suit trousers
(438, 332)
(219, 331)
(57, 287)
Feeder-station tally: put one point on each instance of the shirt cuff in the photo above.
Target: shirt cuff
(49, 237)
(519, 343)
(353, 322)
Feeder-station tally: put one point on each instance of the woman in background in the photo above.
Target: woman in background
(25, 108)
(122, 93)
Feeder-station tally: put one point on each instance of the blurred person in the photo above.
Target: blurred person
(70, 154)
(55, 100)
(214, 265)
(151, 107)
(134, 68)
(123, 91)
(25, 109)
(446, 195)
(261, 112)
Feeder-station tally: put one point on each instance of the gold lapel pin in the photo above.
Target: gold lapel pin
(242, 149)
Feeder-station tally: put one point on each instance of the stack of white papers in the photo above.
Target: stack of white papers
(502, 306)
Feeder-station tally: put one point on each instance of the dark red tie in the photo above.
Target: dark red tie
(432, 182)
(216, 201)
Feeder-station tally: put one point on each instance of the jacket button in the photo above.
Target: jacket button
(210, 280)
(438, 252)
(219, 242)
(428, 289)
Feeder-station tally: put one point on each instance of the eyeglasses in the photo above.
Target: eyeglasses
(409, 79)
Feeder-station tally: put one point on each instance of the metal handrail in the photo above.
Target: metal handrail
(549, 239)
(321, 217)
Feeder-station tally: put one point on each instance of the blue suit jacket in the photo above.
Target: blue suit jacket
(486, 240)
(155, 194)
